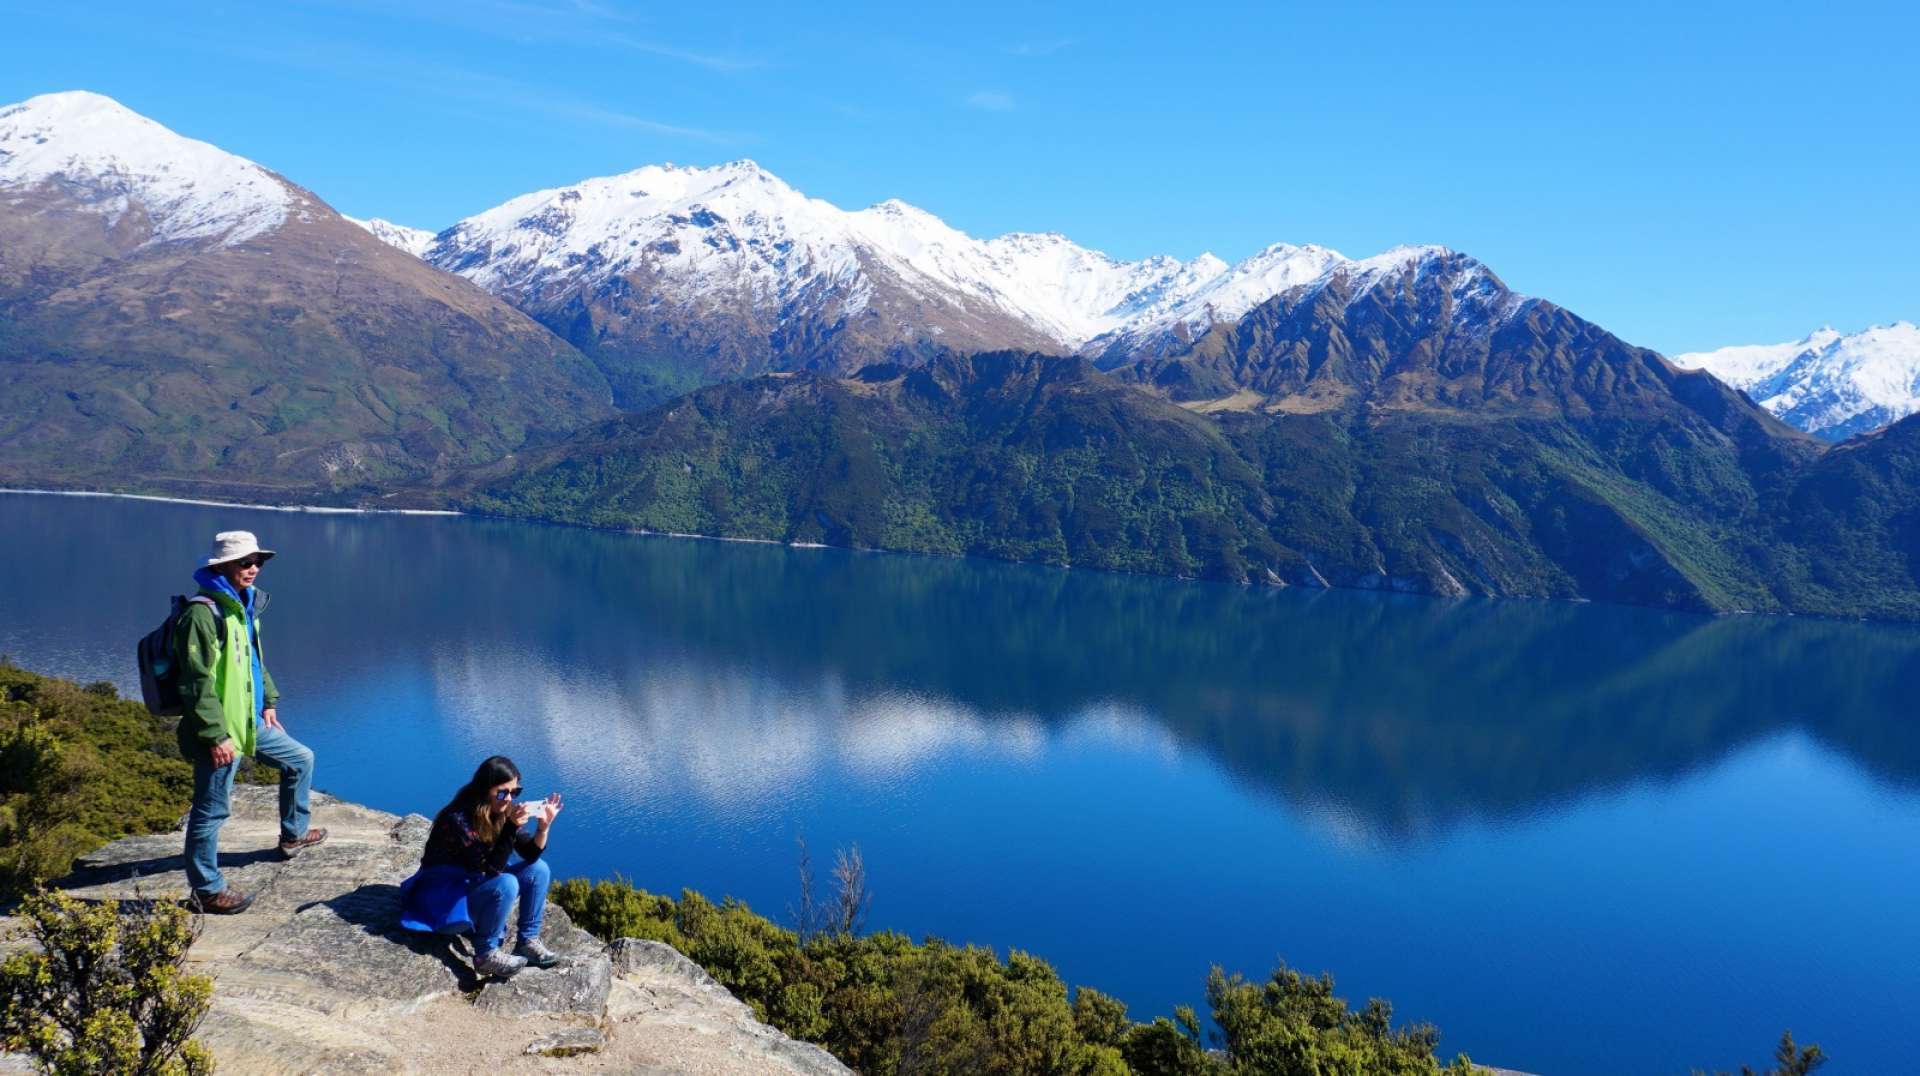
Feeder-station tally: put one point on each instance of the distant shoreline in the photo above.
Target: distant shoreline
(642, 532)
(310, 508)
(331, 510)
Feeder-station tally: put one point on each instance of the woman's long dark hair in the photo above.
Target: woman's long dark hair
(475, 798)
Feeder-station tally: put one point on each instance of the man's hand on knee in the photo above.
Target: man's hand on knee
(223, 753)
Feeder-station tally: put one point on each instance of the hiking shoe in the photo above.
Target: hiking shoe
(228, 901)
(536, 954)
(498, 962)
(291, 848)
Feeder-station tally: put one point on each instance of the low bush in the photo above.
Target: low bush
(101, 989)
(79, 766)
(885, 1004)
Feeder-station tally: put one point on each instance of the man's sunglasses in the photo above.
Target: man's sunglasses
(508, 793)
(250, 562)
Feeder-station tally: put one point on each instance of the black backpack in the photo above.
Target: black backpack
(160, 666)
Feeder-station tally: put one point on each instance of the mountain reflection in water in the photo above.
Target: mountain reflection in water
(1520, 820)
(724, 668)
(1401, 714)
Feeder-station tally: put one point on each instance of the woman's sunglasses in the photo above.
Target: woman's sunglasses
(508, 793)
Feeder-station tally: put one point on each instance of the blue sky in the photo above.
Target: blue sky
(1688, 179)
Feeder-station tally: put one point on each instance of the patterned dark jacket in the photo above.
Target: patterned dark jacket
(453, 843)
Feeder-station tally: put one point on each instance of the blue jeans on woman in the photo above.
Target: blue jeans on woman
(489, 900)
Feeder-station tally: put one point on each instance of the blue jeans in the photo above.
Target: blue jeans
(213, 802)
(488, 901)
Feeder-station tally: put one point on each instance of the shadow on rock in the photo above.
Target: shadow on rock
(92, 873)
(375, 910)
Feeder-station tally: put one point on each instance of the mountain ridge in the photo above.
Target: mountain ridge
(1037, 290)
(414, 241)
(153, 324)
(1037, 458)
(188, 189)
(1404, 421)
(1831, 384)
(710, 273)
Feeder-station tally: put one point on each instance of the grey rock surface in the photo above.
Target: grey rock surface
(569, 1043)
(318, 976)
(577, 985)
(659, 987)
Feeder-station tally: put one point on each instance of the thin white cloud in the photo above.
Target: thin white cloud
(454, 83)
(577, 22)
(611, 117)
(990, 101)
(712, 61)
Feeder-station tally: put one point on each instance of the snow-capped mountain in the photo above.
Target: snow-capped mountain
(1416, 328)
(1218, 293)
(414, 241)
(115, 162)
(695, 230)
(670, 277)
(1750, 364)
(147, 279)
(730, 270)
(736, 229)
(1830, 384)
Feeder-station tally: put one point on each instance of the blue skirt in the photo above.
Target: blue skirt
(434, 900)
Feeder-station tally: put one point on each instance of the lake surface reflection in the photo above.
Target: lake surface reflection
(1579, 838)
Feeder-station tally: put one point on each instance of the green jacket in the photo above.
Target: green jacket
(216, 673)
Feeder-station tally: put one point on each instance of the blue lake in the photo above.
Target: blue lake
(1580, 839)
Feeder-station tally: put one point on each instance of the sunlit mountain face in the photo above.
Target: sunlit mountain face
(1830, 384)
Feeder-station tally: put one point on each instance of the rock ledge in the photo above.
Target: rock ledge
(318, 977)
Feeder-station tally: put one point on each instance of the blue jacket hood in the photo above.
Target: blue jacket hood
(214, 581)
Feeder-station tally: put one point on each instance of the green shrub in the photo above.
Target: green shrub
(1791, 1059)
(1293, 1023)
(101, 991)
(79, 767)
(885, 1004)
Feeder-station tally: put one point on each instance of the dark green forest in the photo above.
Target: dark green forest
(1030, 458)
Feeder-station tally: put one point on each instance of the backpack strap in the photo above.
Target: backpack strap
(212, 607)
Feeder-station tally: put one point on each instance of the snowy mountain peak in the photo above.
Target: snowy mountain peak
(894, 207)
(1748, 364)
(1208, 290)
(1402, 258)
(738, 232)
(732, 225)
(115, 161)
(414, 241)
(1828, 383)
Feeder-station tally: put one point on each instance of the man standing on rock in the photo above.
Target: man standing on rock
(230, 710)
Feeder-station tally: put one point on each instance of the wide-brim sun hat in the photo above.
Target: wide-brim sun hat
(232, 545)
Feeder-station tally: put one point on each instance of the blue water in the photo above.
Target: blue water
(1580, 839)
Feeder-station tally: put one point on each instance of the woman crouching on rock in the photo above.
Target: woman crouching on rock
(466, 882)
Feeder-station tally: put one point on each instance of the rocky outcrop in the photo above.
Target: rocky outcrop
(318, 977)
